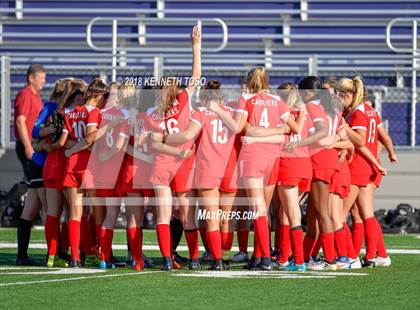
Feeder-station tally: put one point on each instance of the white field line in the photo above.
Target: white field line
(43, 246)
(77, 278)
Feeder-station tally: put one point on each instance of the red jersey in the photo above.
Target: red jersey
(365, 118)
(323, 158)
(307, 130)
(216, 142)
(175, 120)
(267, 111)
(76, 122)
(106, 173)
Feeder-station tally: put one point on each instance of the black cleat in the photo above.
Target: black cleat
(264, 265)
(368, 263)
(217, 265)
(252, 263)
(226, 264)
(167, 264)
(178, 258)
(75, 264)
(194, 264)
(24, 261)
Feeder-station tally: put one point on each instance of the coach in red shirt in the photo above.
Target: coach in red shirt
(28, 104)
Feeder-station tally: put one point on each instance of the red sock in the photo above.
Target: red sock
(242, 236)
(349, 242)
(135, 242)
(262, 234)
(285, 247)
(51, 234)
(317, 247)
(215, 243)
(371, 237)
(192, 241)
(203, 237)
(296, 236)
(164, 239)
(358, 236)
(85, 241)
(340, 242)
(74, 238)
(106, 243)
(308, 245)
(227, 241)
(64, 234)
(328, 246)
(381, 249)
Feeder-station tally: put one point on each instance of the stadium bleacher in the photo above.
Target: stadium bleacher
(291, 38)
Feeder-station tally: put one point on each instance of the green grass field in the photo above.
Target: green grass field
(395, 287)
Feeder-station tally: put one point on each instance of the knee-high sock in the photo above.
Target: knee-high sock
(308, 245)
(284, 241)
(191, 235)
(262, 233)
(74, 238)
(135, 242)
(227, 241)
(340, 242)
(106, 243)
(23, 237)
(358, 236)
(381, 249)
(214, 241)
(349, 242)
(328, 246)
(51, 234)
(296, 237)
(242, 236)
(164, 239)
(371, 237)
(176, 232)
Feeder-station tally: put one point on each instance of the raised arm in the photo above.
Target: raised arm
(196, 54)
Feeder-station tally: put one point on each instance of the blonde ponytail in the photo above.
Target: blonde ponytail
(358, 91)
(257, 80)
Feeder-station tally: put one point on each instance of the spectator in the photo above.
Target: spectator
(28, 104)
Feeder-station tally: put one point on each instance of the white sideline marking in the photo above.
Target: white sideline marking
(78, 278)
(267, 274)
(43, 246)
(47, 271)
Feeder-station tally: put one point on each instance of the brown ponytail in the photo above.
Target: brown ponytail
(257, 80)
(211, 92)
(167, 94)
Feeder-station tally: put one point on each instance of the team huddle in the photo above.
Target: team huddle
(98, 147)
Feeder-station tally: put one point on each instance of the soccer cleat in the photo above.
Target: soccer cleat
(252, 263)
(313, 260)
(176, 264)
(265, 264)
(323, 265)
(24, 261)
(53, 261)
(167, 264)
(148, 262)
(343, 262)
(382, 261)
(178, 258)
(281, 266)
(194, 264)
(355, 263)
(206, 257)
(368, 263)
(275, 254)
(106, 265)
(240, 257)
(75, 264)
(295, 267)
(89, 260)
(217, 265)
(226, 264)
(129, 259)
(138, 265)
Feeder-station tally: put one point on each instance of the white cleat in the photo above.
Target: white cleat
(355, 263)
(382, 261)
(240, 257)
(323, 265)
(313, 263)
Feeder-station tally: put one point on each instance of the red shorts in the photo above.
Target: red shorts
(294, 168)
(325, 159)
(203, 181)
(365, 179)
(229, 182)
(54, 183)
(260, 167)
(179, 177)
(135, 178)
(107, 192)
(341, 180)
(83, 180)
(325, 175)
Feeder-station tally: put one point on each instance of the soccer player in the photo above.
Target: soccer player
(216, 188)
(365, 129)
(81, 125)
(171, 172)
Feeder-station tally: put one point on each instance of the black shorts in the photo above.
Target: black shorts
(35, 176)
